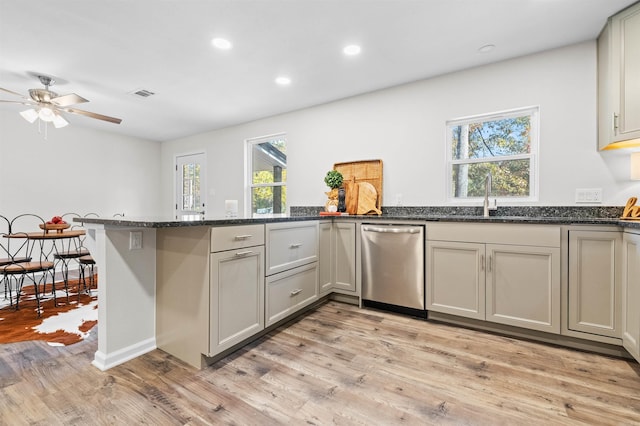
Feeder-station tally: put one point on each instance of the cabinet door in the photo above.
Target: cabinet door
(631, 294)
(237, 297)
(290, 291)
(290, 245)
(456, 278)
(594, 282)
(618, 70)
(626, 28)
(325, 260)
(344, 256)
(523, 286)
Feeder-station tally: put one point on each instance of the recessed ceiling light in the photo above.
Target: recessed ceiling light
(351, 50)
(221, 43)
(283, 80)
(486, 48)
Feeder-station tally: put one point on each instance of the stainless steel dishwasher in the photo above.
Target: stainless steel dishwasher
(393, 267)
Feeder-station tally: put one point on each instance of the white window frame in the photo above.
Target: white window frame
(248, 173)
(534, 113)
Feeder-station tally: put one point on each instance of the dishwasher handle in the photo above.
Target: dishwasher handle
(398, 230)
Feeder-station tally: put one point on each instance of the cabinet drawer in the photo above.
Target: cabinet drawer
(235, 237)
(290, 291)
(290, 245)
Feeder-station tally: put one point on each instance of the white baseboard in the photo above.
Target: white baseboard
(105, 361)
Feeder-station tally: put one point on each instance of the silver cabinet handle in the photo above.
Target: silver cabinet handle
(295, 245)
(294, 292)
(242, 237)
(243, 253)
(482, 262)
(490, 265)
(402, 230)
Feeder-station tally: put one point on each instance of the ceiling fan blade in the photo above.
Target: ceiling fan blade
(93, 115)
(70, 99)
(11, 92)
(25, 102)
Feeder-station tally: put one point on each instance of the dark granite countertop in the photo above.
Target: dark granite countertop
(160, 222)
(552, 215)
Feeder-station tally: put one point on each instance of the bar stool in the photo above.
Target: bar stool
(69, 250)
(19, 245)
(86, 262)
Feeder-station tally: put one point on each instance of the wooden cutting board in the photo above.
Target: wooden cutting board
(351, 195)
(367, 198)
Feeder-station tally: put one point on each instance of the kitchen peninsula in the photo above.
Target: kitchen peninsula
(143, 289)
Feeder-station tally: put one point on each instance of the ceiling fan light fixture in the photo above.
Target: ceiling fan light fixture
(31, 115)
(46, 114)
(59, 121)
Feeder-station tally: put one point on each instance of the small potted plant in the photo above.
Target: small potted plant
(334, 180)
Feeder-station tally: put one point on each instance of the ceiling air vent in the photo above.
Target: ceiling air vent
(143, 93)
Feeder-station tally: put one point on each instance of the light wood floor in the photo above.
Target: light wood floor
(336, 365)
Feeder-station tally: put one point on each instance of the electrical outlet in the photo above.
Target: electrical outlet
(135, 240)
(589, 195)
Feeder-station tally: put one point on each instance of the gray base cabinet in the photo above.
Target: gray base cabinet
(456, 278)
(325, 253)
(237, 297)
(338, 257)
(507, 274)
(594, 289)
(523, 286)
(236, 307)
(631, 294)
(292, 268)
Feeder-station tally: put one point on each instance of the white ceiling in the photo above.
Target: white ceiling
(105, 49)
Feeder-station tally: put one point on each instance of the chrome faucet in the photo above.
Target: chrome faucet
(487, 191)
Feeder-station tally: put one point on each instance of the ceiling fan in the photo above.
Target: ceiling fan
(48, 106)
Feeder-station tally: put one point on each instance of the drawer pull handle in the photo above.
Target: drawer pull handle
(243, 253)
(296, 245)
(243, 237)
(294, 292)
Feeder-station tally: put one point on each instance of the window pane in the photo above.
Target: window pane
(509, 179)
(269, 199)
(492, 138)
(269, 161)
(191, 187)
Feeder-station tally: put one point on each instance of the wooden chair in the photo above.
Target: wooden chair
(26, 256)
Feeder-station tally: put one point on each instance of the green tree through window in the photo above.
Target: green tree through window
(268, 166)
(501, 144)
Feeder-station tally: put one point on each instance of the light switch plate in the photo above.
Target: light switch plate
(135, 240)
(589, 195)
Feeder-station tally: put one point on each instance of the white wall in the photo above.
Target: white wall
(75, 170)
(405, 127)
(83, 170)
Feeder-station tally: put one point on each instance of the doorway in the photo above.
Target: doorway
(190, 186)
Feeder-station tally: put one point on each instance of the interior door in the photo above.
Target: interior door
(190, 186)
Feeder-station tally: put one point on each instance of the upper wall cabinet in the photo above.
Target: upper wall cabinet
(618, 82)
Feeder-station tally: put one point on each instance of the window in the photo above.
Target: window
(504, 144)
(267, 175)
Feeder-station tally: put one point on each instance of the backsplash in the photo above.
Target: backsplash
(502, 211)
